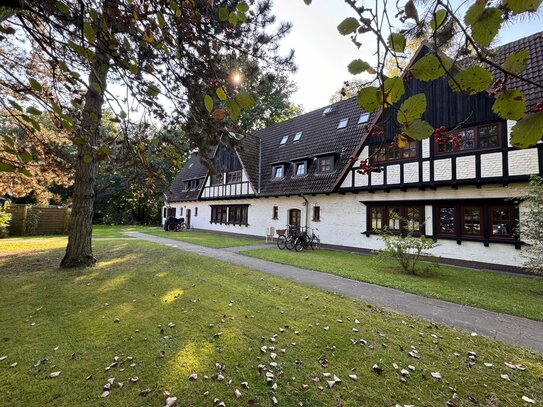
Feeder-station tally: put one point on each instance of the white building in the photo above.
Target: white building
(301, 172)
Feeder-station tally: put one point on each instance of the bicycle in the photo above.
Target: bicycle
(303, 241)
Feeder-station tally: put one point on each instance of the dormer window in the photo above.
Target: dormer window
(364, 117)
(185, 185)
(301, 168)
(297, 136)
(326, 164)
(343, 123)
(284, 140)
(278, 172)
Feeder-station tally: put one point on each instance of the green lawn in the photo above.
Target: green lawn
(207, 239)
(101, 231)
(57, 320)
(511, 294)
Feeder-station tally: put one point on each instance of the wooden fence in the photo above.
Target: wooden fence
(39, 220)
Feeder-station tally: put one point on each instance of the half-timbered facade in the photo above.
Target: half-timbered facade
(466, 195)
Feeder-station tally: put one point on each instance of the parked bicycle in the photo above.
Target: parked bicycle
(304, 240)
(175, 224)
(287, 237)
(291, 238)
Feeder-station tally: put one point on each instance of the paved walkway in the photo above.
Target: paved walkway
(509, 329)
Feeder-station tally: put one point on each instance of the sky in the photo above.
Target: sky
(322, 54)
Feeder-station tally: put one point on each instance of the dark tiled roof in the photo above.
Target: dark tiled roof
(320, 136)
(193, 169)
(534, 71)
(249, 153)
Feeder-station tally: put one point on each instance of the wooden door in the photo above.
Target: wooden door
(295, 218)
(188, 219)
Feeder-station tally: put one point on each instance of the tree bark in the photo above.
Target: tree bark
(79, 250)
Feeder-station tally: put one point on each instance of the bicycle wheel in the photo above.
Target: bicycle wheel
(300, 244)
(281, 242)
(315, 242)
(172, 227)
(290, 242)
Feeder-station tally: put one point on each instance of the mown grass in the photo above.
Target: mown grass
(224, 314)
(207, 239)
(510, 294)
(115, 231)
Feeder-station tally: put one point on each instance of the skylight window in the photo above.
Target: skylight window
(327, 111)
(343, 123)
(364, 117)
(284, 140)
(297, 136)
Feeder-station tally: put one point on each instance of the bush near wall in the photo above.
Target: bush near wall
(38, 219)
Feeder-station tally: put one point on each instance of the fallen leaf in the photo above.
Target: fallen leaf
(353, 377)
(237, 393)
(505, 377)
(3, 358)
(54, 374)
(145, 392)
(170, 401)
(528, 400)
(104, 394)
(437, 375)
(193, 376)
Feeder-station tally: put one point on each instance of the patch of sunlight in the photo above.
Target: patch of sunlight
(162, 274)
(171, 296)
(192, 358)
(28, 287)
(105, 264)
(87, 277)
(114, 283)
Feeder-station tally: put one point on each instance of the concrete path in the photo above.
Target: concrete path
(509, 329)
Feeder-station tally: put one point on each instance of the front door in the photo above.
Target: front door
(295, 218)
(188, 219)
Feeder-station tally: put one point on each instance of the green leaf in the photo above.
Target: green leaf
(87, 159)
(35, 85)
(528, 131)
(208, 101)
(82, 51)
(233, 18)
(241, 17)
(429, 68)
(418, 129)
(396, 42)
(471, 81)
(510, 104)
(89, 32)
(24, 171)
(485, 23)
(67, 123)
(8, 140)
(233, 109)
(26, 157)
(15, 105)
(521, 6)
(370, 98)
(357, 66)
(62, 7)
(439, 19)
(122, 114)
(32, 121)
(243, 7)
(33, 110)
(245, 100)
(5, 167)
(394, 89)
(517, 61)
(153, 90)
(223, 14)
(221, 94)
(348, 26)
(411, 109)
(161, 21)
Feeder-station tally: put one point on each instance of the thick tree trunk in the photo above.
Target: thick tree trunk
(79, 249)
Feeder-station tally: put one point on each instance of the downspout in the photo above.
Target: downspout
(306, 210)
(259, 163)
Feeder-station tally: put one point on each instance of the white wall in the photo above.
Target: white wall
(343, 219)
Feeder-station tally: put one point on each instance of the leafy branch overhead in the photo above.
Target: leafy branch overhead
(470, 68)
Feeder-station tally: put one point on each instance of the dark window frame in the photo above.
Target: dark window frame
(195, 211)
(463, 220)
(454, 220)
(402, 208)
(274, 172)
(378, 156)
(476, 140)
(275, 213)
(331, 164)
(511, 222)
(297, 165)
(230, 214)
(234, 177)
(316, 213)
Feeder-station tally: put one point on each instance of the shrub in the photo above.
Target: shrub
(31, 221)
(408, 250)
(5, 218)
(531, 226)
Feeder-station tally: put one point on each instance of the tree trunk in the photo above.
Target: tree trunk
(79, 249)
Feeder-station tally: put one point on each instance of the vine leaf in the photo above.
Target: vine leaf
(411, 109)
(528, 131)
(439, 18)
(5, 167)
(394, 89)
(429, 68)
(221, 94)
(208, 101)
(418, 129)
(521, 6)
(35, 85)
(510, 104)
(348, 26)
(243, 7)
(370, 98)
(153, 90)
(357, 66)
(396, 42)
(517, 61)
(471, 81)
(233, 109)
(485, 22)
(223, 14)
(245, 100)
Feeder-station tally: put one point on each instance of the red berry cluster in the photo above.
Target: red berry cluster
(538, 107)
(352, 160)
(377, 132)
(441, 137)
(394, 142)
(214, 84)
(365, 167)
(496, 88)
